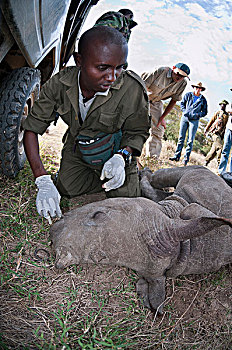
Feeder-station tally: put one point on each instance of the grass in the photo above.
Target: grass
(94, 307)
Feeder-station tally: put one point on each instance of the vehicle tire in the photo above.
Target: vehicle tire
(18, 92)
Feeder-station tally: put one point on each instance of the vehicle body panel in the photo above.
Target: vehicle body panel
(38, 26)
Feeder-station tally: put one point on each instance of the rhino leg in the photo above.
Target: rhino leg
(150, 192)
(152, 293)
(170, 177)
(142, 291)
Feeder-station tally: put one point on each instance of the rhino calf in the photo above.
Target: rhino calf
(189, 231)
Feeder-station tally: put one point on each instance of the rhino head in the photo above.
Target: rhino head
(131, 232)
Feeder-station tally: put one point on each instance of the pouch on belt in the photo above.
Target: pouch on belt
(97, 150)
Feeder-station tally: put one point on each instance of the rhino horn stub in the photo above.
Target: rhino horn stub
(64, 258)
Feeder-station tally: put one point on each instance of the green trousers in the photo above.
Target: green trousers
(76, 177)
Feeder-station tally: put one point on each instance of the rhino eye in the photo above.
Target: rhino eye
(95, 219)
(98, 214)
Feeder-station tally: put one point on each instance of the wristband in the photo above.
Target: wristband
(126, 155)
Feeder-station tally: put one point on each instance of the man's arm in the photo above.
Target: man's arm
(212, 120)
(166, 112)
(31, 146)
(184, 102)
(204, 109)
(48, 198)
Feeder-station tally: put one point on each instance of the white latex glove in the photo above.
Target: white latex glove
(113, 169)
(48, 198)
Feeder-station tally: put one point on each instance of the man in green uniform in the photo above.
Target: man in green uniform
(216, 126)
(121, 20)
(99, 101)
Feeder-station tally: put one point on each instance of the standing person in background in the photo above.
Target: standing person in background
(216, 126)
(194, 106)
(162, 84)
(121, 20)
(226, 150)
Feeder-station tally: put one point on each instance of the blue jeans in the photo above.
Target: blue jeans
(191, 126)
(226, 152)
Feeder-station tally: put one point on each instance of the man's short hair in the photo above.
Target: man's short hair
(104, 34)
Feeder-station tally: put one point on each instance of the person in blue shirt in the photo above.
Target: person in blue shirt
(194, 106)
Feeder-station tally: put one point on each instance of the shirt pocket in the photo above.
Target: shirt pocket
(109, 120)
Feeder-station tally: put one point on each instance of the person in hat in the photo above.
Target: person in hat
(121, 20)
(216, 126)
(162, 84)
(194, 106)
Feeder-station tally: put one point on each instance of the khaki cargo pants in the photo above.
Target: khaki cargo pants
(216, 149)
(153, 144)
(76, 177)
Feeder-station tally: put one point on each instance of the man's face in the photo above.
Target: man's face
(223, 107)
(197, 90)
(101, 65)
(177, 76)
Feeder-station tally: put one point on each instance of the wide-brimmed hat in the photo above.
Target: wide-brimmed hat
(224, 102)
(199, 85)
(182, 69)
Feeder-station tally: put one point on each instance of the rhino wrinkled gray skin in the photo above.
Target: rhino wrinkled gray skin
(187, 231)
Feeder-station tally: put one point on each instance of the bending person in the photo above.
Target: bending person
(162, 84)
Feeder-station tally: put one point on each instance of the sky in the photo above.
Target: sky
(197, 33)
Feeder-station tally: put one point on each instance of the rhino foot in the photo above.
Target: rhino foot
(152, 293)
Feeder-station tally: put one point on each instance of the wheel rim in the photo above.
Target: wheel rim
(26, 110)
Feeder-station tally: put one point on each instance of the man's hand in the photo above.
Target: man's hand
(48, 198)
(161, 122)
(113, 169)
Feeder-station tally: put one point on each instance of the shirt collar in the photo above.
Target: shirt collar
(105, 93)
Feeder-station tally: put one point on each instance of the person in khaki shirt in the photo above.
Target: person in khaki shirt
(106, 109)
(162, 84)
(216, 126)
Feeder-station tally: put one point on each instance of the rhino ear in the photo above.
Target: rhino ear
(197, 222)
(195, 210)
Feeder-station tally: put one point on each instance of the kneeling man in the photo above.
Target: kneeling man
(106, 110)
